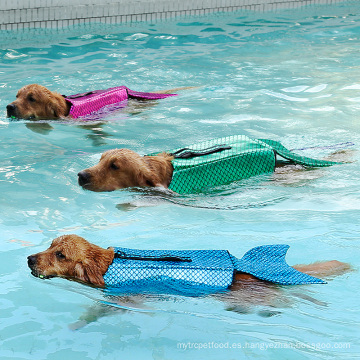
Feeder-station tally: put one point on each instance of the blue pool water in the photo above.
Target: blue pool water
(288, 76)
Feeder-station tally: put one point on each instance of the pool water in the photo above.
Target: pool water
(291, 76)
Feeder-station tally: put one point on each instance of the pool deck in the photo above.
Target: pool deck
(25, 14)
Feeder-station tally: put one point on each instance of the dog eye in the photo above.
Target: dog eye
(60, 255)
(114, 166)
(31, 98)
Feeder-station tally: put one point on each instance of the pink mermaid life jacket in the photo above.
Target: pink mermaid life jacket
(86, 104)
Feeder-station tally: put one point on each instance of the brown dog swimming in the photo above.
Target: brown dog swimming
(36, 102)
(194, 168)
(74, 258)
(123, 168)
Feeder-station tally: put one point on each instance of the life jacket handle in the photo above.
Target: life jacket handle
(76, 96)
(187, 153)
(123, 255)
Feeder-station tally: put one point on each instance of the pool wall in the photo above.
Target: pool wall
(21, 14)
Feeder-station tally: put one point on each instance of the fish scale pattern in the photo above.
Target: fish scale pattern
(197, 271)
(197, 267)
(268, 263)
(86, 104)
(297, 159)
(246, 158)
(241, 158)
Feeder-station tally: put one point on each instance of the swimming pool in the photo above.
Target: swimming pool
(287, 76)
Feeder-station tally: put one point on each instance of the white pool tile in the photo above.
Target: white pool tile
(19, 14)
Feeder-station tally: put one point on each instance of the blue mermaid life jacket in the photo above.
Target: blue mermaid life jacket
(197, 272)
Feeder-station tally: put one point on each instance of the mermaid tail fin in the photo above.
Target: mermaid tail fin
(297, 159)
(268, 263)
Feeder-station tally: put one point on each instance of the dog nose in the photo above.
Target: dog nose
(31, 260)
(83, 178)
(10, 109)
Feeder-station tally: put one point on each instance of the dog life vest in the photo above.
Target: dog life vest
(83, 105)
(195, 272)
(221, 161)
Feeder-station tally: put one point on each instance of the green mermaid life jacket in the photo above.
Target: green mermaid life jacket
(224, 160)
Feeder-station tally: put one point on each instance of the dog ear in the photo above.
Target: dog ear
(149, 179)
(89, 273)
(57, 106)
(155, 173)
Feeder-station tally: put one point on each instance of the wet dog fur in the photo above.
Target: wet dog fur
(74, 258)
(36, 102)
(123, 168)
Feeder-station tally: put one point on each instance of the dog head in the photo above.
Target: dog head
(123, 168)
(72, 257)
(36, 102)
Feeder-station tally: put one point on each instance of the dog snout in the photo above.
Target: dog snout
(83, 178)
(11, 108)
(31, 261)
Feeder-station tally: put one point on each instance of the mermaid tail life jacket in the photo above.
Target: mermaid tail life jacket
(88, 105)
(220, 161)
(198, 272)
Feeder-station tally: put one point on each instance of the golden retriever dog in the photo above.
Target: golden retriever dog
(72, 257)
(36, 102)
(123, 168)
